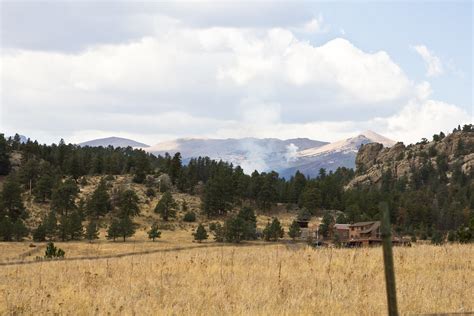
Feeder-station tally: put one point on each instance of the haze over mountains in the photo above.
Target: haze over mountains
(283, 156)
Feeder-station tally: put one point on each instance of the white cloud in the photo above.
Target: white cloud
(216, 82)
(434, 67)
(315, 25)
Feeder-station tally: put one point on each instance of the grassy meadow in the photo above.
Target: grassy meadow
(181, 277)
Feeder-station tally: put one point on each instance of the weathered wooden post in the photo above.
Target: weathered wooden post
(386, 232)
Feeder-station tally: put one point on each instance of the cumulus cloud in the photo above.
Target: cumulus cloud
(434, 67)
(215, 82)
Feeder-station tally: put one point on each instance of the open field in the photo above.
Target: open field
(254, 278)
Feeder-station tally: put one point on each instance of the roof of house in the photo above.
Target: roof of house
(362, 224)
(374, 226)
(341, 226)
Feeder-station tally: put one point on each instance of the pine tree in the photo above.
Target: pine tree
(43, 189)
(311, 198)
(128, 203)
(11, 203)
(200, 234)
(63, 227)
(64, 197)
(4, 157)
(39, 234)
(126, 227)
(273, 231)
(114, 229)
(29, 173)
(218, 231)
(6, 229)
(154, 232)
(247, 214)
(75, 229)
(166, 207)
(92, 231)
(175, 167)
(234, 229)
(326, 224)
(294, 230)
(99, 202)
(50, 225)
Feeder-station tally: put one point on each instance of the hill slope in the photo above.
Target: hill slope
(444, 155)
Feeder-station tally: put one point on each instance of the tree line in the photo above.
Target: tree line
(427, 203)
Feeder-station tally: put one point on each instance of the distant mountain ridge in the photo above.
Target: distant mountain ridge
(115, 142)
(283, 156)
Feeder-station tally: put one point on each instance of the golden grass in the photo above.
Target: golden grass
(252, 279)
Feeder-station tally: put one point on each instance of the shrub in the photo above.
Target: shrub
(150, 192)
(189, 217)
(52, 252)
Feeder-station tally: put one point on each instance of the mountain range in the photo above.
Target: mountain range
(263, 154)
(115, 142)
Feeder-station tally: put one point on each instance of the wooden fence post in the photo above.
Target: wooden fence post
(386, 232)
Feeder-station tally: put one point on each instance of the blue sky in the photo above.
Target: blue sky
(157, 71)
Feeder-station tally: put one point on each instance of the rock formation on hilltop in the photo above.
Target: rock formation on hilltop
(446, 153)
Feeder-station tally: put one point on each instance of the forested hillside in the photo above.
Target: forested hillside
(435, 194)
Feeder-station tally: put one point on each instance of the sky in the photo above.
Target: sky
(152, 72)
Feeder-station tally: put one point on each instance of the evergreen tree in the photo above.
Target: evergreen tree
(294, 230)
(218, 197)
(114, 229)
(64, 197)
(43, 189)
(29, 173)
(200, 234)
(39, 234)
(311, 198)
(75, 229)
(304, 215)
(50, 225)
(273, 231)
(11, 203)
(92, 231)
(63, 227)
(218, 231)
(175, 167)
(326, 224)
(99, 202)
(126, 227)
(247, 214)
(154, 233)
(6, 229)
(437, 238)
(4, 157)
(235, 229)
(166, 207)
(19, 230)
(128, 203)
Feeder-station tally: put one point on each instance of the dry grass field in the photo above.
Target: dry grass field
(250, 279)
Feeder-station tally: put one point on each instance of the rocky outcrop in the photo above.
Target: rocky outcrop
(373, 160)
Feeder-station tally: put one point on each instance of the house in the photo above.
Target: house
(363, 234)
(342, 231)
(365, 230)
